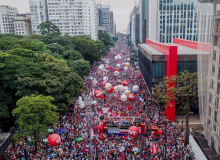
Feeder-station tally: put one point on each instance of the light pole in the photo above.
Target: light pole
(89, 102)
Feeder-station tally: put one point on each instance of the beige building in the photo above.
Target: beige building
(7, 15)
(209, 106)
(22, 24)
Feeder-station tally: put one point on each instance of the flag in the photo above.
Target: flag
(128, 106)
(116, 113)
(153, 149)
(139, 111)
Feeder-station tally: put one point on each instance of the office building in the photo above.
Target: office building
(22, 24)
(134, 27)
(142, 23)
(7, 15)
(157, 60)
(112, 24)
(209, 81)
(104, 17)
(72, 17)
(166, 20)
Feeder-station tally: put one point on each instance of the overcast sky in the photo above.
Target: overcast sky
(121, 9)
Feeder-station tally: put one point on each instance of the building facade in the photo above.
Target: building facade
(104, 17)
(168, 19)
(7, 15)
(134, 27)
(72, 17)
(211, 110)
(22, 24)
(143, 8)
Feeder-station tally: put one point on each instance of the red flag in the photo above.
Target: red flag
(128, 106)
(153, 149)
(163, 112)
(139, 111)
(119, 96)
(116, 113)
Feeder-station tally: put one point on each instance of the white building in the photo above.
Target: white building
(22, 24)
(7, 15)
(72, 17)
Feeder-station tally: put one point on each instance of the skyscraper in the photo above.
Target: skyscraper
(104, 17)
(7, 15)
(72, 17)
(170, 19)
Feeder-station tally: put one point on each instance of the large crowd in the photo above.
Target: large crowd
(110, 109)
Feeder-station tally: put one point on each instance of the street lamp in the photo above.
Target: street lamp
(88, 102)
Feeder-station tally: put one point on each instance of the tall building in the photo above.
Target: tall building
(22, 24)
(104, 17)
(112, 23)
(72, 17)
(209, 80)
(7, 15)
(170, 19)
(142, 23)
(134, 21)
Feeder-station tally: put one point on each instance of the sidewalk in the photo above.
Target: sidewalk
(194, 122)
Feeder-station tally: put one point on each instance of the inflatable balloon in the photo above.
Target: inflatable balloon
(124, 83)
(107, 62)
(126, 88)
(116, 58)
(131, 97)
(54, 139)
(127, 64)
(116, 73)
(133, 131)
(135, 88)
(134, 92)
(98, 94)
(120, 88)
(128, 59)
(107, 67)
(127, 92)
(118, 69)
(118, 65)
(105, 78)
(125, 68)
(82, 105)
(124, 98)
(115, 88)
(121, 55)
(108, 86)
(110, 90)
(104, 83)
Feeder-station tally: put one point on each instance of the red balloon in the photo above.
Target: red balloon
(107, 67)
(98, 94)
(110, 89)
(121, 55)
(124, 83)
(131, 96)
(54, 139)
(104, 83)
(133, 131)
(118, 69)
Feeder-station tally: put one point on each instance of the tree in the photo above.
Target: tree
(48, 27)
(187, 95)
(133, 58)
(56, 48)
(72, 54)
(87, 47)
(35, 114)
(80, 66)
(101, 47)
(165, 93)
(106, 39)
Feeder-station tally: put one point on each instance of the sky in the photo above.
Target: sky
(120, 8)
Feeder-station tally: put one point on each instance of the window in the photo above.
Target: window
(218, 88)
(216, 102)
(210, 110)
(214, 56)
(214, 127)
(212, 84)
(218, 73)
(213, 68)
(215, 116)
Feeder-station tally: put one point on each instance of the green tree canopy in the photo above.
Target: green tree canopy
(101, 47)
(80, 66)
(48, 27)
(72, 54)
(35, 114)
(87, 47)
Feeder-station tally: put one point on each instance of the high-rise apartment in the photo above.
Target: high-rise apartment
(72, 17)
(170, 19)
(7, 15)
(210, 82)
(22, 24)
(104, 17)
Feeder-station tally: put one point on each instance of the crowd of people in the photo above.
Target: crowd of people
(110, 109)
